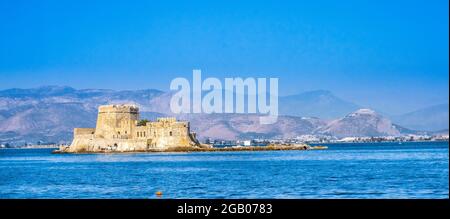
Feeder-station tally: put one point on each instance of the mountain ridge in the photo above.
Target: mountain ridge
(50, 113)
(431, 118)
(316, 103)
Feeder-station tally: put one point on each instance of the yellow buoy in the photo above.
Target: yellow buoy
(159, 193)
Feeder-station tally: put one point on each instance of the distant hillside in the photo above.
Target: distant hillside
(432, 118)
(46, 122)
(441, 132)
(246, 126)
(363, 122)
(320, 103)
(50, 114)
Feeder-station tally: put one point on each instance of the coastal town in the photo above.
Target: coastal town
(301, 139)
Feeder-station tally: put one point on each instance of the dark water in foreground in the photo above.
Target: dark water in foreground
(409, 170)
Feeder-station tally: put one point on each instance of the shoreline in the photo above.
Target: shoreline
(188, 149)
(381, 142)
(311, 144)
(28, 148)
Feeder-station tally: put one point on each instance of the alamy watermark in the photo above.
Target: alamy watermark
(209, 96)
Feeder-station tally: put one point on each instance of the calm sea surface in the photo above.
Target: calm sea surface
(386, 170)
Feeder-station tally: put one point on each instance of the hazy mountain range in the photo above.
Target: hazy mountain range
(319, 103)
(50, 113)
(429, 118)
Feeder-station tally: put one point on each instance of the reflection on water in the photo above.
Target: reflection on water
(411, 170)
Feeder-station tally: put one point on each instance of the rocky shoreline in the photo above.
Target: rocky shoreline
(203, 149)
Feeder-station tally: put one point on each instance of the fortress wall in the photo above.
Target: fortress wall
(160, 129)
(141, 132)
(98, 145)
(170, 135)
(83, 131)
(164, 133)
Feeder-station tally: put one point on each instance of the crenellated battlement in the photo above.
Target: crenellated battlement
(166, 119)
(122, 108)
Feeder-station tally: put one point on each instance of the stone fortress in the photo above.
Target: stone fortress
(118, 130)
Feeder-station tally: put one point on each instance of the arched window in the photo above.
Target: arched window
(170, 133)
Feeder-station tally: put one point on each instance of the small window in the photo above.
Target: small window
(170, 133)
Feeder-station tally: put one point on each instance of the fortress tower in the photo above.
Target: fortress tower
(117, 129)
(116, 121)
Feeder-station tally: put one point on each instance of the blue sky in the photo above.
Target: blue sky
(391, 56)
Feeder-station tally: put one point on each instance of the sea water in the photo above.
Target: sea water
(372, 170)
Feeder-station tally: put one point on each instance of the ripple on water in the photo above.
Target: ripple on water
(411, 171)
